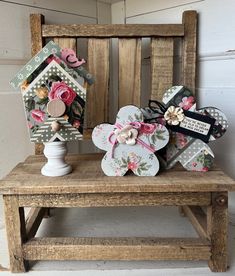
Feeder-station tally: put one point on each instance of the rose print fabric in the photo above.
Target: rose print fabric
(130, 143)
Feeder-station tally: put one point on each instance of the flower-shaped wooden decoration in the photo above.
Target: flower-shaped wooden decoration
(190, 131)
(130, 143)
(53, 98)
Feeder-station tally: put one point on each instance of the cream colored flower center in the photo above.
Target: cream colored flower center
(174, 115)
(127, 135)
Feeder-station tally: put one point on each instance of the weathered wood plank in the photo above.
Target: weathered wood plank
(115, 199)
(37, 42)
(218, 231)
(189, 50)
(114, 30)
(87, 177)
(14, 216)
(97, 98)
(129, 71)
(162, 52)
(198, 219)
(33, 221)
(70, 43)
(116, 249)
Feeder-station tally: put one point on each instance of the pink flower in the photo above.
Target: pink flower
(194, 164)
(30, 125)
(55, 58)
(147, 128)
(60, 90)
(205, 169)
(187, 102)
(182, 139)
(132, 166)
(76, 124)
(38, 115)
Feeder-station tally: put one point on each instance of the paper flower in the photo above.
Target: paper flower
(174, 115)
(127, 135)
(187, 102)
(130, 143)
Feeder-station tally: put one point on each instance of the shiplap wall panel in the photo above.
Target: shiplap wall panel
(135, 7)
(81, 7)
(15, 40)
(15, 51)
(14, 143)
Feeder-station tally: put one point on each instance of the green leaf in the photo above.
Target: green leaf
(77, 108)
(30, 104)
(42, 101)
(124, 161)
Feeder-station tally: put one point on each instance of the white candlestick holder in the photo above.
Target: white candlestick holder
(55, 153)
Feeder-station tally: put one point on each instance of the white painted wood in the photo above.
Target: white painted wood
(104, 13)
(136, 7)
(78, 7)
(55, 153)
(14, 139)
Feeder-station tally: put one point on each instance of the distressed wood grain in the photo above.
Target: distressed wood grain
(26, 178)
(15, 233)
(162, 51)
(116, 249)
(37, 43)
(97, 97)
(129, 72)
(114, 30)
(115, 199)
(218, 231)
(189, 57)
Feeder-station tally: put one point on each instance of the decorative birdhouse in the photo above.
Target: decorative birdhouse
(53, 97)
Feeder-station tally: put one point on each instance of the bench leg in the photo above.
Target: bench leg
(16, 233)
(217, 227)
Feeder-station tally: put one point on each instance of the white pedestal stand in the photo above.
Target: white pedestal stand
(55, 153)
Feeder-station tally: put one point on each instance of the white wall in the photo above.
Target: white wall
(15, 52)
(216, 56)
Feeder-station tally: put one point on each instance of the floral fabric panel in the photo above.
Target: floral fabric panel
(54, 85)
(194, 154)
(130, 143)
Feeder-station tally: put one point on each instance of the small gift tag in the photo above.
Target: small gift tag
(195, 125)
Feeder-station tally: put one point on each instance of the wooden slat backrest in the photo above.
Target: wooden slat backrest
(129, 50)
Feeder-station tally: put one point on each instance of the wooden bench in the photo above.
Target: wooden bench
(203, 197)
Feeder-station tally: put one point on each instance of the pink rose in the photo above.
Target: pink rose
(187, 102)
(60, 90)
(132, 166)
(147, 128)
(38, 115)
(76, 124)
